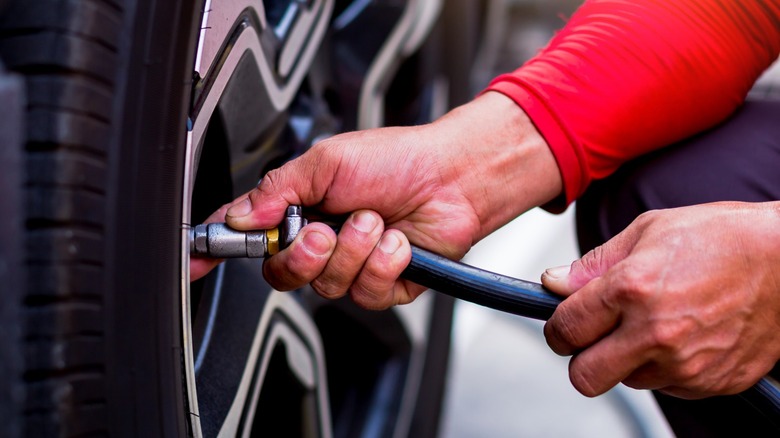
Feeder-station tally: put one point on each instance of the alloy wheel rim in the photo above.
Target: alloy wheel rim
(232, 33)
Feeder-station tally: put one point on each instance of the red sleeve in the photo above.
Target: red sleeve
(625, 77)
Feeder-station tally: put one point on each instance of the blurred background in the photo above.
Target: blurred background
(504, 380)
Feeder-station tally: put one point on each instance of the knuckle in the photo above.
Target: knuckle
(632, 284)
(335, 279)
(636, 382)
(374, 287)
(646, 218)
(270, 181)
(342, 269)
(376, 274)
(643, 218)
(646, 376)
(591, 262)
(697, 380)
(356, 247)
(292, 270)
(669, 337)
(371, 299)
(278, 184)
(326, 143)
(689, 372)
(561, 334)
(302, 268)
(281, 278)
(328, 289)
(583, 379)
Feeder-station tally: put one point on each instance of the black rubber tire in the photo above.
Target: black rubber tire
(90, 340)
(11, 247)
(107, 90)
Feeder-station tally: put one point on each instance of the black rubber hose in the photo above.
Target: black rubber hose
(531, 300)
(481, 287)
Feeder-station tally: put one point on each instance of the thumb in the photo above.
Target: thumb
(257, 210)
(565, 280)
(298, 182)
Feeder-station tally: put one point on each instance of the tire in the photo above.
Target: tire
(100, 338)
(112, 339)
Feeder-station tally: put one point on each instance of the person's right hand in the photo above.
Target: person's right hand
(441, 186)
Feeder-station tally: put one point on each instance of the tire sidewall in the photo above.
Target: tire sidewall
(146, 392)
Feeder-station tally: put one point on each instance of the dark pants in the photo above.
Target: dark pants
(736, 161)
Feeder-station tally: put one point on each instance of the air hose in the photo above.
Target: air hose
(465, 282)
(532, 300)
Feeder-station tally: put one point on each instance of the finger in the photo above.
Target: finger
(582, 319)
(303, 260)
(253, 213)
(200, 266)
(223, 213)
(377, 287)
(303, 181)
(647, 376)
(358, 237)
(565, 280)
(605, 364)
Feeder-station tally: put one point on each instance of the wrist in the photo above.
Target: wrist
(502, 163)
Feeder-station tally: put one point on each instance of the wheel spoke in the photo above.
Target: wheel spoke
(248, 72)
(255, 358)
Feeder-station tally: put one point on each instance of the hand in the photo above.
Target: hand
(441, 186)
(686, 301)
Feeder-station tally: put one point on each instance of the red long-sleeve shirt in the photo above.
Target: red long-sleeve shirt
(625, 77)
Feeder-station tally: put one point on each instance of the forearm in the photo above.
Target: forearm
(503, 164)
(624, 77)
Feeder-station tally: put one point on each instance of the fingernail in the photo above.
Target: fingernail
(364, 221)
(389, 243)
(241, 209)
(558, 272)
(316, 242)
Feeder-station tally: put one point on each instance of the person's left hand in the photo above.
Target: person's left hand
(685, 301)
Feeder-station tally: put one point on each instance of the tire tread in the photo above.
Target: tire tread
(67, 51)
(90, 20)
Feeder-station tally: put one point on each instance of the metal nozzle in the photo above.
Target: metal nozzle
(218, 240)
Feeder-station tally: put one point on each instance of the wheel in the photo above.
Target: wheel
(142, 117)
